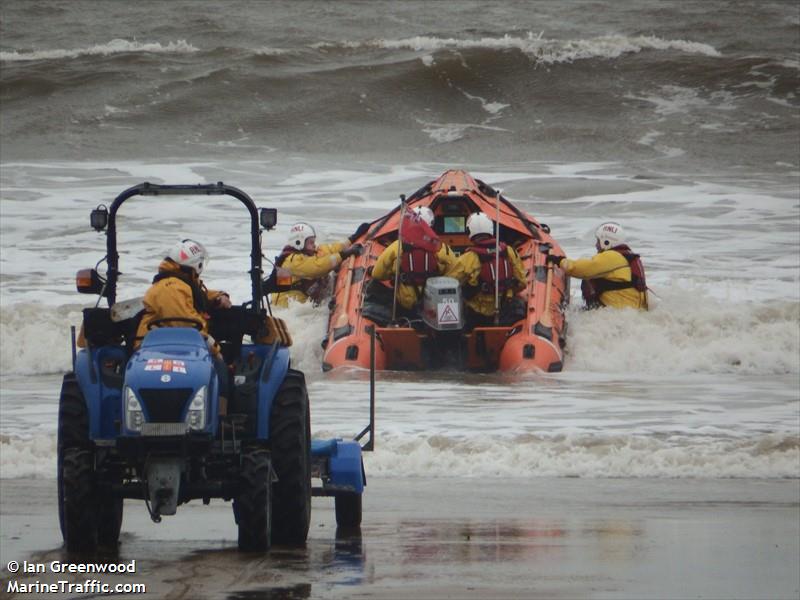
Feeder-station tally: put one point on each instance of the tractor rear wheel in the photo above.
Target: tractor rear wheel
(290, 443)
(253, 505)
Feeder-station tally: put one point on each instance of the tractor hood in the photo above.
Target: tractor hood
(169, 369)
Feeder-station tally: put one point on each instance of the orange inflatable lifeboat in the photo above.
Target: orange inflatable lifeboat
(534, 342)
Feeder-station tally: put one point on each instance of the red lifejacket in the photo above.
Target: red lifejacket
(485, 249)
(418, 260)
(592, 288)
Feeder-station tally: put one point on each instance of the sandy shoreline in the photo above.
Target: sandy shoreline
(457, 538)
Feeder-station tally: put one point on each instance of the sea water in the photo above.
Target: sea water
(678, 120)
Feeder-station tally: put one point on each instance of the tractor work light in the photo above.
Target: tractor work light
(269, 218)
(99, 218)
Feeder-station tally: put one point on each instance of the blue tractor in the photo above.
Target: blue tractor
(145, 423)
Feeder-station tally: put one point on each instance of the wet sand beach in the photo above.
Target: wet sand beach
(455, 538)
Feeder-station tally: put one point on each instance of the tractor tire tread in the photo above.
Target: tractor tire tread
(290, 434)
(253, 501)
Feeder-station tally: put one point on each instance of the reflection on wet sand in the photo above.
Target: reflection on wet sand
(481, 542)
(434, 539)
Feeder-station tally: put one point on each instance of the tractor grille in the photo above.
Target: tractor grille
(164, 429)
(165, 406)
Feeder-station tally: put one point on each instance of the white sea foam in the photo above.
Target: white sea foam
(270, 51)
(544, 50)
(116, 46)
(493, 108)
(687, 333)
(35, 338)
(28, 457)
(584, 456)
(676, 99)
(576, 455)
(443, 133)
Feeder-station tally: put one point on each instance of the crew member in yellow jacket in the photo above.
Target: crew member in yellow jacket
(301, 270)
(612, 277)
(179, 293)
(179, 298)
(475, 271)
(418, 262)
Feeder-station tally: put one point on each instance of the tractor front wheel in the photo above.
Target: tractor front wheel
(109, 520)
(78, 500)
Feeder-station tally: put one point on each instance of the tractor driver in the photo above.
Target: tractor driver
(179, 293)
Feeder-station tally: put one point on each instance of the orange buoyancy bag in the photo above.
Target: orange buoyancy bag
(420, 245)
(485, 249)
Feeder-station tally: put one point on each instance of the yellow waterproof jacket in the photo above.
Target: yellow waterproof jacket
(467, 269)
(610, 265)
(171, 297)
(407, 294)
(306, 268)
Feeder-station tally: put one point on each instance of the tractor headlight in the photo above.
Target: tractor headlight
(196, 415)
(134, 415)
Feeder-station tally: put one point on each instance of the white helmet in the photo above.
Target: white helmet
(425, 213)
(188, 253)
(609, 235)
(298, 235)
(478, 223)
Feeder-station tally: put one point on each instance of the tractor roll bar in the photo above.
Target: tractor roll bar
(211, 189)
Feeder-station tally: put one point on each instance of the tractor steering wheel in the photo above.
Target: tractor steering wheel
(164, 322)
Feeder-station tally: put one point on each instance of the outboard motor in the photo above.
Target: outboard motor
(442, 309)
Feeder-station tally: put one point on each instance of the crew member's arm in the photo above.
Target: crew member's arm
(467, 269)
(312, 267)
(385, 265)
(598, 265)
(519, 269)
(445, 258)
(218, 299)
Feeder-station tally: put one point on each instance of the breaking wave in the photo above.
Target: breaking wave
(117, 46)
(580, 455)
(547, 51)
(701, 335)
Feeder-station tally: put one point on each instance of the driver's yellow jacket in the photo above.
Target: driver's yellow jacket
(171, 297)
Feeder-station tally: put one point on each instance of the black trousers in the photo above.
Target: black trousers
(223, 376)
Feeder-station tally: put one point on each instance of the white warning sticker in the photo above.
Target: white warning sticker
(448, 311)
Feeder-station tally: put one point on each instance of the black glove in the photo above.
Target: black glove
(270, 284)
(362, 229)
(554, 259)
(354, 250)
